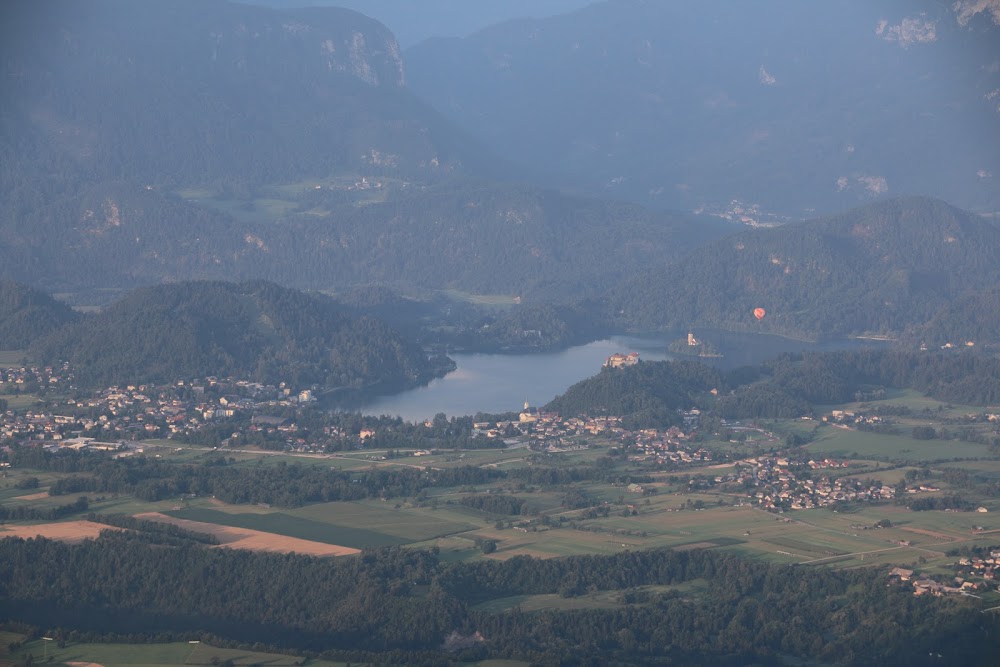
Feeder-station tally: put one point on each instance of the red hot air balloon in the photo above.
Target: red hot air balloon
(759, 313)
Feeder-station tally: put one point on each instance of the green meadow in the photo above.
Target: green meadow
(174, 654)
(849, 443)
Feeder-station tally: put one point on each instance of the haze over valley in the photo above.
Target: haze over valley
(475, 333)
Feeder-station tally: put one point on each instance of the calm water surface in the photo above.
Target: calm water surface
(502, 383)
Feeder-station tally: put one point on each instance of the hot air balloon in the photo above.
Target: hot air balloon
(759, 313)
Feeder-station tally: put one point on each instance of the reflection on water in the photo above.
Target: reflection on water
(502, 383)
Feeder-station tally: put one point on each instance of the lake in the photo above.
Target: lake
(496, 383)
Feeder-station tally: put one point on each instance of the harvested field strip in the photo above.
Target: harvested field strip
(291, 526)
(34, 496)
(928, 533)
(66, 531)
(254, 540)
(709, 544)
(804, 547)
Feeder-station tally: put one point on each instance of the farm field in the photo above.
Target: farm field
(352, 524)
(909, 398)
(282, 524)
(409, 524)
(173, 654)
(254, 540)
(989, 467)
(67, 531)
(848, 443)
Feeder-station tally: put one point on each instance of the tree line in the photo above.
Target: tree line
(403, 603)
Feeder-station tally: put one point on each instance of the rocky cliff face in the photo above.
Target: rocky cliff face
(316, 41)
(222, 37)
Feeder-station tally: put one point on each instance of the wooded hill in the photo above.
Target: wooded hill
(472, 236)
(254, 330)
(652, 394)
(27, 314)
(879, 268)
(488, 238)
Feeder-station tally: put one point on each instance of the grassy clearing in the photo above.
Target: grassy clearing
(991, 468)
(917, 402)
(174, 654)
(848, 443)
(403, 524)
(21, 401)
(596, 600)
(498, 300)
(262, 210)
(197, 193)
(11, 357)
(279, 523)
(110, 655)
(6, 639)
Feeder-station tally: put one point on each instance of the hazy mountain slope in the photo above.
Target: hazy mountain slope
(414, 21)
(792, 105)
(144, 142)
(256, 330)
(109, 109)
(27, 314)
(972, 317)
(878, 268)
(476, 237)
(491, 239)
(196, 91)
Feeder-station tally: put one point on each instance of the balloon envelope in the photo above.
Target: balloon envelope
(759, 313)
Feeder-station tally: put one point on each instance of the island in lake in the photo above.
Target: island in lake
(694, 347)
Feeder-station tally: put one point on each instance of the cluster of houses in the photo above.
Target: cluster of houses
(985, 568)
(847, 417)
(776, 483)
(740, 212)
(548, 427)
(548, 431)
(973, 573)
(145, 411)
(670, 446)
(17, 379)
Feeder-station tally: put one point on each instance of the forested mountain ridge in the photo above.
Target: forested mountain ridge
(254, 330)
(491, 238)
(879, 268)
(27, 314)
(789, 105)
(653, 394)
(472, 236)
